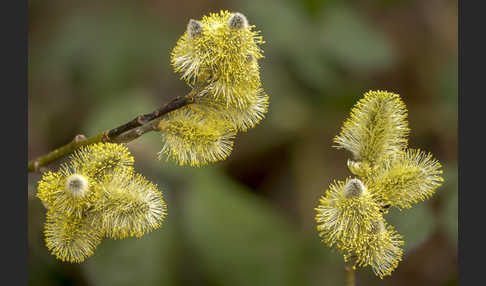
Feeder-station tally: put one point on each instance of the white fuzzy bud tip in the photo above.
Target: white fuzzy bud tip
(77, 185)
(194, 28)
(237, 21)
(354, 188)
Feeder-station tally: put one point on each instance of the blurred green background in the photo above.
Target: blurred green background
(248, 220)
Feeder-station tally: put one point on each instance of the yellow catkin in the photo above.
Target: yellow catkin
(406, 179)
(220, 52)
(70, 238)
(97, 194)
(350, 216)
(376, 129)
(130, 206)
(89, 162)
(342, 219)
(380, 249)
(241, 118)
(195, 139)
(50, 182)
(225, 56)
(54, 192)
(100, 158)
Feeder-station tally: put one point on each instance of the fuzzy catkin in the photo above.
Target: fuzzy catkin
(350, 216)
(96, 195)
(219, 52)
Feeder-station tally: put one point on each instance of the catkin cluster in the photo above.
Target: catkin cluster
(219, 53)
(96, 195)
(387, 174)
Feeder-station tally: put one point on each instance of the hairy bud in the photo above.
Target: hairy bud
(77, 185)
(354, 188)
(237, 21)
(194, 28)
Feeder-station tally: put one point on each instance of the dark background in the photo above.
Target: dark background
(248, 220)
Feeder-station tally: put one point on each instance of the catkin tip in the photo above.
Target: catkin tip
(77, 185)
(194, 28)
(237, 21)
(354, 188)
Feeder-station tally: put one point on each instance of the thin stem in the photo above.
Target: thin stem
(350, 275)
(121, 134)
(134, 133)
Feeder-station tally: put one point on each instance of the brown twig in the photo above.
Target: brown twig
(121, 134)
